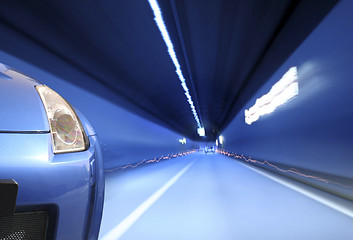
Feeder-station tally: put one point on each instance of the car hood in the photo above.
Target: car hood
(20, 105)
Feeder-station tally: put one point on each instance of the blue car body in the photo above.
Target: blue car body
(67, 187)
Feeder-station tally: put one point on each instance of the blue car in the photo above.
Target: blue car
(51, 167)
(210, 149)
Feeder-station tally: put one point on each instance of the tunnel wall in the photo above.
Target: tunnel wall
(125, 137)
(314, 130)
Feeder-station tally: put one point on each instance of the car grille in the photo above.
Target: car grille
(24, 226)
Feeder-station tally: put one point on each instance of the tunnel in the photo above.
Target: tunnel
(217, 119)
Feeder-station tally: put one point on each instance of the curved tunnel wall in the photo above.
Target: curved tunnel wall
(125, 137)
(314, 130)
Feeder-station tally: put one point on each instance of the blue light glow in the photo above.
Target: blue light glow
(163, 29)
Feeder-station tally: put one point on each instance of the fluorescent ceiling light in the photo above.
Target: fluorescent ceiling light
(163, 29)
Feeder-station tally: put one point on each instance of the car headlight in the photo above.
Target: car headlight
(66, 129)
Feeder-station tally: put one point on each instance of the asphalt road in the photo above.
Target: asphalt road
(212, 197)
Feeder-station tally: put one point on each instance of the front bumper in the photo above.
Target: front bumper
(69, 186)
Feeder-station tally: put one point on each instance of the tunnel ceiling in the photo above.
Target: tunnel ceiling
(227, 50)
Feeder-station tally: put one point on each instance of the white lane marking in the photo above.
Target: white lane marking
(124, 225)
(337, 203)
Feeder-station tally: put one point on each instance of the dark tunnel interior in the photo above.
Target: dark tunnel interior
(226, 50)
(270, 82)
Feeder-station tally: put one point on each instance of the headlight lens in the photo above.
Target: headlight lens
(66, 129)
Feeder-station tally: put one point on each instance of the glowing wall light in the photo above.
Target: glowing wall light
(182, 140)
(221, 139)
(281, 92)
(163, 29)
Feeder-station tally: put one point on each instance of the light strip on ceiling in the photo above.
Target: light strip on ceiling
(163, 29)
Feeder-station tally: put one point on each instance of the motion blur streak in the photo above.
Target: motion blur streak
(220, 198)
(317, 195)
(163, 29)
(290, 170)
(154, 160)
(122, 227)
(281, 92)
